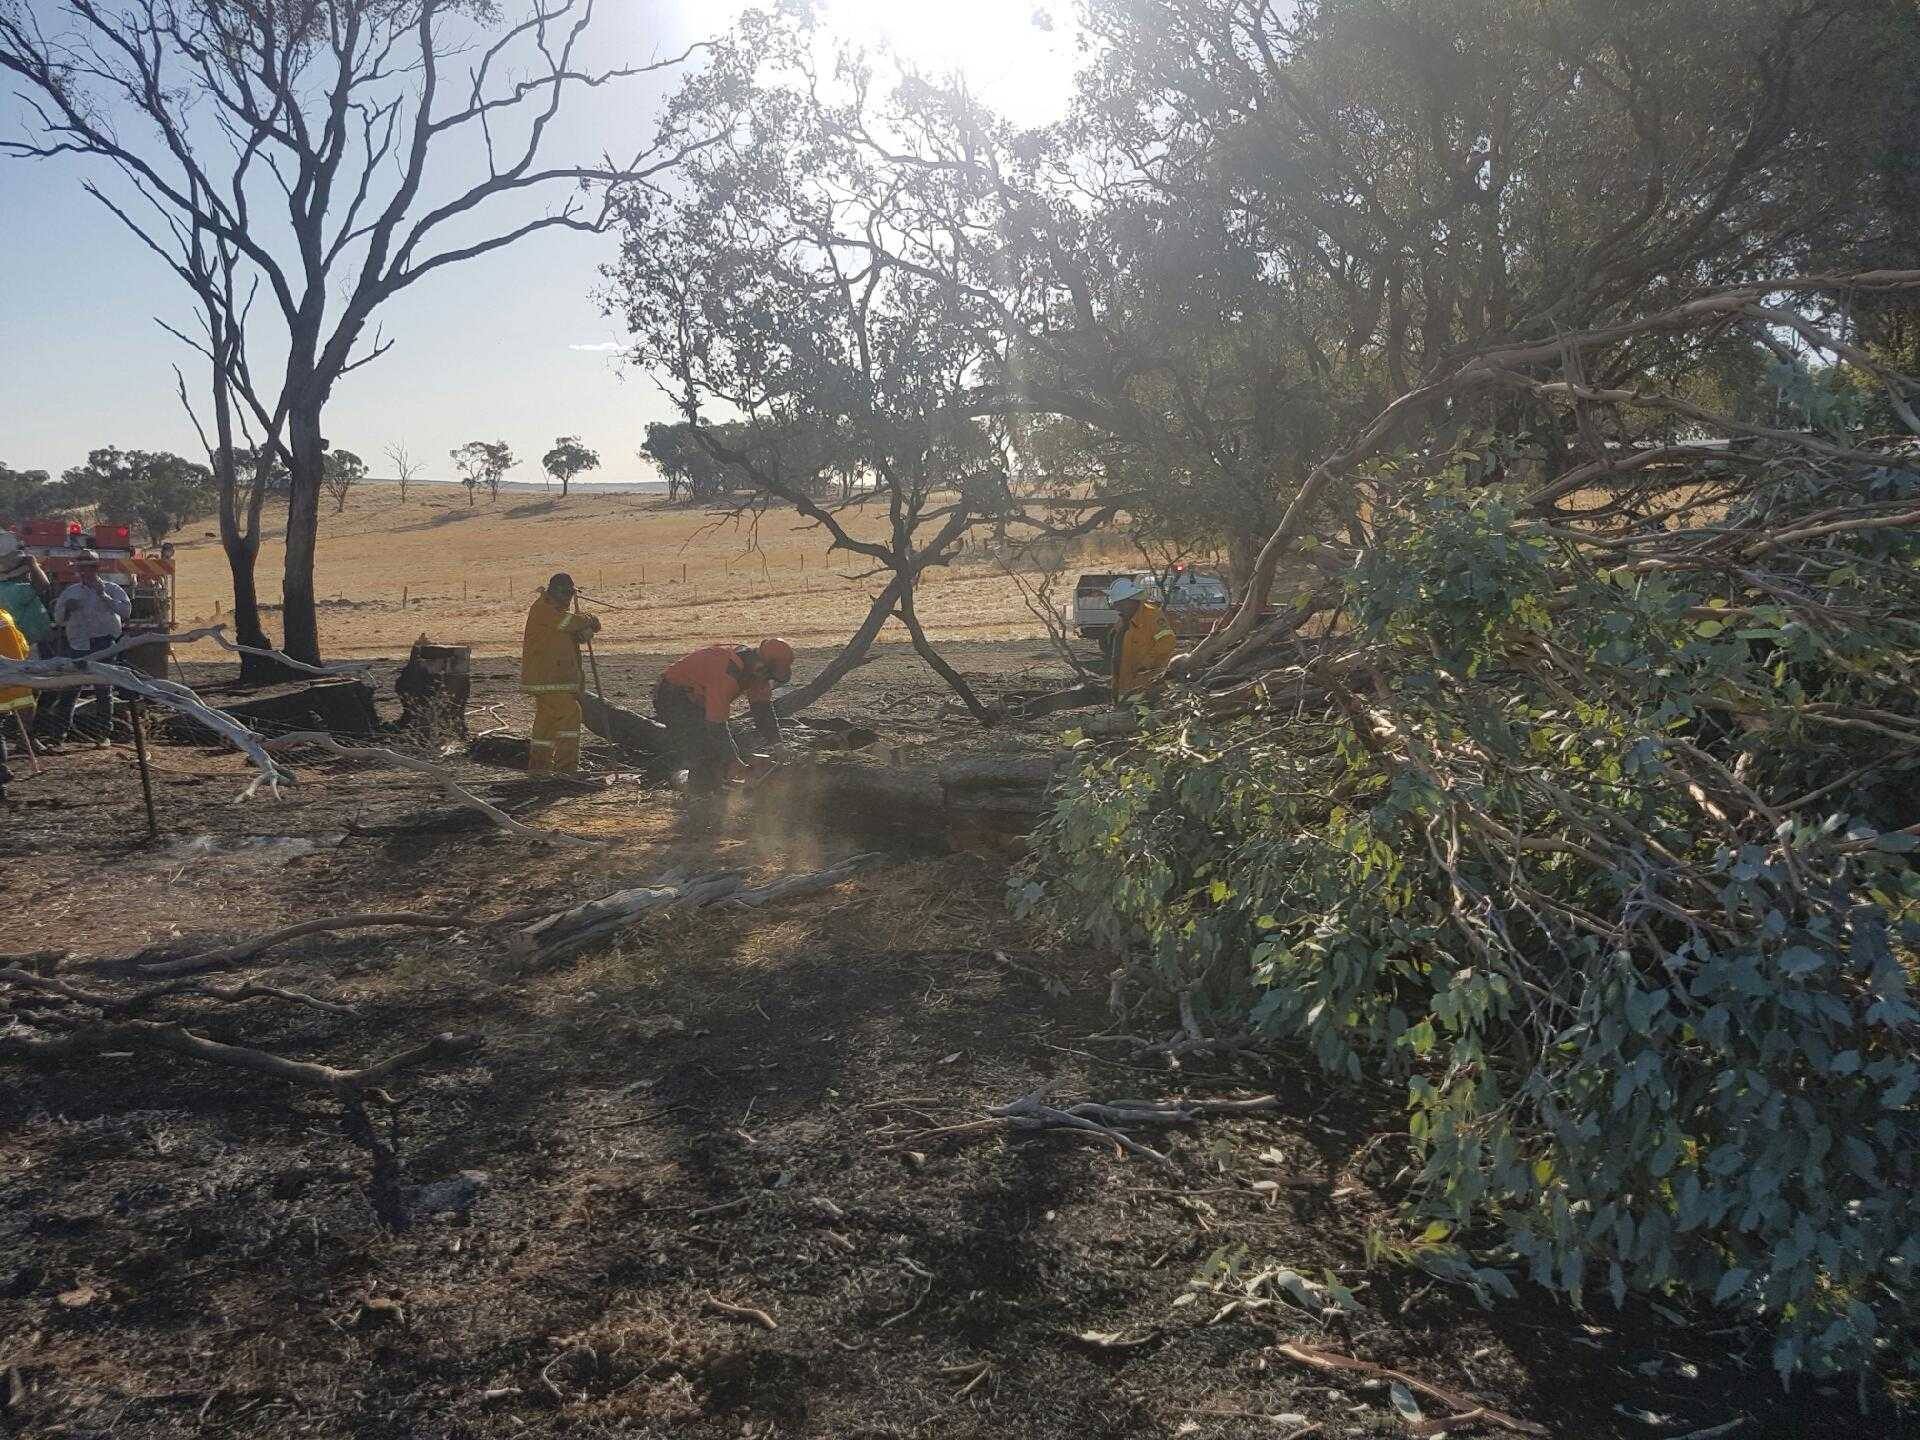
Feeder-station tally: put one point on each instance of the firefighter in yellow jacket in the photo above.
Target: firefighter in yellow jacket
(1141, 644)
(550, 672)
(16, 701)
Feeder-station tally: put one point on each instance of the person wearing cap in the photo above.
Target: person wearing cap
(25, 592)
(1140, 645)
(550, 672)
(90, 614)
(695, 695)
(16, 701)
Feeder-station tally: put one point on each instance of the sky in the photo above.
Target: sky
(512, 346)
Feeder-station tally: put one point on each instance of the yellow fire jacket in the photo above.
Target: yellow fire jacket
(1141, 651)
(550, 650)
(13, 646)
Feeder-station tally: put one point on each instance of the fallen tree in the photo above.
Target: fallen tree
(1597, 798)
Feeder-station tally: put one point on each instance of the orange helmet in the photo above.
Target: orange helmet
(777, 654)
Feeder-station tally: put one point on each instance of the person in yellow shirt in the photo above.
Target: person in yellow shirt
(16, 701)
(1140, 644)
(550, 672)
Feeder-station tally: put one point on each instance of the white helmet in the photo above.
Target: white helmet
(1125, 588)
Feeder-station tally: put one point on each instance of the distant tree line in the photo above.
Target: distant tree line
(154, 489)
(730, 458)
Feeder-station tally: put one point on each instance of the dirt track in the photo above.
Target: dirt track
(719, 1107)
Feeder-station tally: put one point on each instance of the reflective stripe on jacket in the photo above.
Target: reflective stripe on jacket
(13, 646)
(550, 650)
(716, 677)
(1144, 648)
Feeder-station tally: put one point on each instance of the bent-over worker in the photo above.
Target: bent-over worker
(1141, 644)
(16, 701)
(695, 694)
(550, 672)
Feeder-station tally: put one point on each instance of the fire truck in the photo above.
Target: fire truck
(146, 576)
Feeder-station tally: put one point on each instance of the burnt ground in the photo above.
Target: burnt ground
(724, 1107)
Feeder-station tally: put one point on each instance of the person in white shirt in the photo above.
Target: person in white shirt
(90, 614)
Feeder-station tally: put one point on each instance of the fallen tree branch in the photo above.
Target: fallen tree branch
(567, 931)
(343, 1085)
(1329, 1363)
(125, 1005)
(400, 760)
(1052, 985)
(230, 955)
(1102, 1119)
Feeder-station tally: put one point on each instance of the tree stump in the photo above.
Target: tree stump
(434, 687)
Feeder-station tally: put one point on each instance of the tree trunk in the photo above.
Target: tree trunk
(851, 654)
(301, 618)
(242, 546)
(1243, 553)
(565, 480)
(938, 662)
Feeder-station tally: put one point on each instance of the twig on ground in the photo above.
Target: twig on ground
(1050, 984)
(743, 1312)
(1103, 1120)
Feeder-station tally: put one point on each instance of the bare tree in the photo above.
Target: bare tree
(300, 150)
(405, 467)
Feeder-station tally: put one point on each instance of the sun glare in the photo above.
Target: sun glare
(1017, 55)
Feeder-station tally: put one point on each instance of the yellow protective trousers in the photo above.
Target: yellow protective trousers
(556, 733)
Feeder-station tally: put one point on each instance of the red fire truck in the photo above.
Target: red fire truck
(146, 576)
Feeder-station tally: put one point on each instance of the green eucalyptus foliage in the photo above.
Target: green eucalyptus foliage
(1606, 861)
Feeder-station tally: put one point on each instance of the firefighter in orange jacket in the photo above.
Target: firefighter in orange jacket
(550, 672)
(695, 695)
(15, 700)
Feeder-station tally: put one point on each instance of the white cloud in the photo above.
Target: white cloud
(600, 347)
